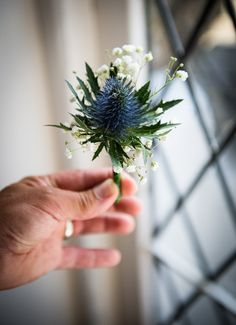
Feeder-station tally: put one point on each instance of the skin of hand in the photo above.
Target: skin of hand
(33, 213)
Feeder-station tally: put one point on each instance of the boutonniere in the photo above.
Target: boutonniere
(111, 113)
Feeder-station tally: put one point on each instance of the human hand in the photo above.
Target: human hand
(33, 214)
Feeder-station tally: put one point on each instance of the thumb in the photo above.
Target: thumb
(87, 204)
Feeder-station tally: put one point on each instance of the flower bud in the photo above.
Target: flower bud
(68, 153)
(129, 48)
(154, 165)
(117, 51)
(148, 57)
(139, 49)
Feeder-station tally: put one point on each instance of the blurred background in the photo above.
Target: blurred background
(179, 267)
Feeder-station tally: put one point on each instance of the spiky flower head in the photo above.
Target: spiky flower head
(113, 114)
(116, 109)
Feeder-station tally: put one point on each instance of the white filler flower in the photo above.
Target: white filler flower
(148, 57)
(68, 153)
(181, 74)
(103, 69)
(117, 51)
(129, 48)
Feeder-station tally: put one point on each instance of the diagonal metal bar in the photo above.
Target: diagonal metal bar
(204, 16)
(195, 277)
(175, 41)
(230, 9)
(196, 181)
(170, 28)
(172, 32)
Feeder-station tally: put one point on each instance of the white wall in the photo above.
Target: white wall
(42, 42)
(28, 147)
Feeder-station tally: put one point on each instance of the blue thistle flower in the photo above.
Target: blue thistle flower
(118, 116)
(116, 109)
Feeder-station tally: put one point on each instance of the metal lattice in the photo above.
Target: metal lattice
(203, 279)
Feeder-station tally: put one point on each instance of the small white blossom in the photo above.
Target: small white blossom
(117, 51)
(159, 110)
(103, 69)
(148, 57)
(127, 59)
(81, 139)
(117, 169)
(133, 68)
(127, 149)
(117, 62)
(128, 48)
(151, 154)
(154, 165)
(131, 169)
(68, 153)
(74, 129)
(85, 147)
(121, 75)
(141, 170)
(128, 77)
(143, 180)
(139, 49)
(181, 74)
(174, 59)
(148, 144)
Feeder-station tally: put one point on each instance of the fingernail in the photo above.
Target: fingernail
(106, 189)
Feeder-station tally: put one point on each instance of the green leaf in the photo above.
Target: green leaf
(116, 159)
(113, 70)
(169, 104)
(80, 123)
(60, 126)
(85, 89)
(98, 151)
(93, 81)
(143, 93)
(161, 134)
(73, 91)
(136, 143)
(168, 125)
(121, 152)
(146, 129)
(150, 130)
(55, 126)
(143, 89)
(94, 138)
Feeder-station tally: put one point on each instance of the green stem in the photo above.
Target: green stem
(117, 180)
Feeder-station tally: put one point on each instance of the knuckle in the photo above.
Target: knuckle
(86, 201)
(29, 180)
(49, 202)
(35, 181)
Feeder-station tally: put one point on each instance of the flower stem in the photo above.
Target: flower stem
(117, 180)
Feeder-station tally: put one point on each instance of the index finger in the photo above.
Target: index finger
(82, 180)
